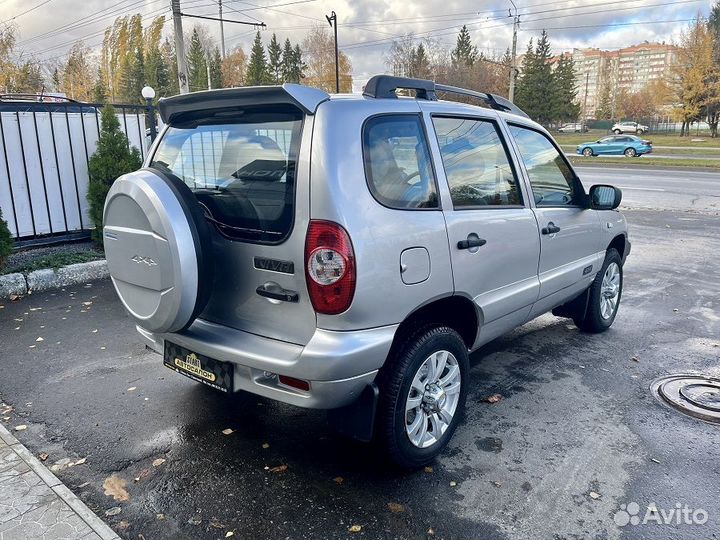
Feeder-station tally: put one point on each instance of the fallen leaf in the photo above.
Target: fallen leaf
(279, 468)
(160, 516)
(229, 534)
(428, 469)
(114, 487)
(594, 495)
(114, 511)
(43, 456)
(496, 483)
(453, 483)
(227, 431)
(21, 427)
(87, 303)
(494, 398)
(396, 508)
(265, 445)
(355, 528)
(217, 525)
(80, 461)
(431, 531)
(132, 389)
(123, 525)
(338, 480)
(15, 297)
(159, 461)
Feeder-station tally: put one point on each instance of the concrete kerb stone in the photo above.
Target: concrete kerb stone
(47, 278)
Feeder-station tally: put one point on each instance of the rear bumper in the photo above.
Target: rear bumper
(338, 365)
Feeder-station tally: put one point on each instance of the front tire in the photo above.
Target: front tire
(604, 296)
(639, 131)
(587, 152)
(617, 131)
(423, 387)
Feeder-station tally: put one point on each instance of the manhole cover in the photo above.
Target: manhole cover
(694, 395)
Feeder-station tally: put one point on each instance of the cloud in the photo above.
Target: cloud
(367, 27)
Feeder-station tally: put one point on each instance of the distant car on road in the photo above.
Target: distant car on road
(616, 145)
(573, 128)
(629, 127)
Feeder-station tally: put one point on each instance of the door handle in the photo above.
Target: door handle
(550, 229)
(280, 294)
(472, 241)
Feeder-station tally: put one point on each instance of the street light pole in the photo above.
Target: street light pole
(332, 21)
(180, 47)
(222, 30)
(513, 66)
(149, 94)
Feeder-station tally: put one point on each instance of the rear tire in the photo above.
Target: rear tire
(423, 387)
(630, 152)
(604, 297)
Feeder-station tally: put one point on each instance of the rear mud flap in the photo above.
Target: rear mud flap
(357, 420)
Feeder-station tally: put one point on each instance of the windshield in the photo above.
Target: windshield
(241, 167)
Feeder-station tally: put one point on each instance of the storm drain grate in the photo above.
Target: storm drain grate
(693, 395)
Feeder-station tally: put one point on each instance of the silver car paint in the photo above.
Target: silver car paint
(326, 349)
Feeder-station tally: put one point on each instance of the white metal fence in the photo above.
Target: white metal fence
(44, 165)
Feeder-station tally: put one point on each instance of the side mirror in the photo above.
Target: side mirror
(603, 197)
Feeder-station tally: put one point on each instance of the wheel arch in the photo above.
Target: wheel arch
(619, 243)
(457, 312)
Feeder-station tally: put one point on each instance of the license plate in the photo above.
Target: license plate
(199, 368)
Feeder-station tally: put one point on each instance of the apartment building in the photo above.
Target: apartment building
(630, 69)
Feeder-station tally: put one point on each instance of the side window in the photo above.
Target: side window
(476, 163)
(552, 181)
(397, 162)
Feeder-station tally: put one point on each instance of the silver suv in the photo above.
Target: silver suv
(348, 252)
(629, 127)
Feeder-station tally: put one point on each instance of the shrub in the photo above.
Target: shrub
(111, 160)
(6, 241)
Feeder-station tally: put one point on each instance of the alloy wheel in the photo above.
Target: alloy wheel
(610, 291)
(433, 399)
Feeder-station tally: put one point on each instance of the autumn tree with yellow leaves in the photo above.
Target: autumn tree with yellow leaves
(318, 49)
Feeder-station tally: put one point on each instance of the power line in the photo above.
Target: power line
(41, 4)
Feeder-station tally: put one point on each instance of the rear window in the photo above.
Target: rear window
(241, 166)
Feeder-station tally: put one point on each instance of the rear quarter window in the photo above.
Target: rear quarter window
(241, 166)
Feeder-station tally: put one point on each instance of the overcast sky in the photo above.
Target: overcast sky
(366, 27)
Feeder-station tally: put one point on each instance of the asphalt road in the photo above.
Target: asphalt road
(576, 435)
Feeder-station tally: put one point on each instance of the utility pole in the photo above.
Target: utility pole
(180, 47)
(513, 66)
(222, 31)
(332, 18)
(587, 80)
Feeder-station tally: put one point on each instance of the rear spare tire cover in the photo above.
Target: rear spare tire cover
(158, 249)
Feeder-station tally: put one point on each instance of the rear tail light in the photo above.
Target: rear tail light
(329, 267)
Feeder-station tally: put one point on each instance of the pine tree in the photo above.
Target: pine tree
(257, 71)
(464, 53)
(99, 95)
(6, 241)
(216, 76)
(420, 63)
(287, 60)
(565, 106)
(275, 65)
(56, 80)
(196, 64)
(111, 160)
(168, 86)
(536, 92)
(298, 66)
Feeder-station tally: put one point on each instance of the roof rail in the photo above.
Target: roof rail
(385, 86)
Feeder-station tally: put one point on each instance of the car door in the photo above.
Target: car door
(607, 145)
(493, 234)
(570, 252)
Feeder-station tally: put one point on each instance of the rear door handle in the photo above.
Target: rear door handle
(472, 241)
(279, 294)
(550, 229)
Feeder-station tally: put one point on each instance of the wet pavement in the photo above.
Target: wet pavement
(577, 447)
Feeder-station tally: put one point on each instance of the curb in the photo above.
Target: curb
(61, 490)
(47, 279)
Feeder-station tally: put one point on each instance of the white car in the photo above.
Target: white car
(573, 128)
(629, 127)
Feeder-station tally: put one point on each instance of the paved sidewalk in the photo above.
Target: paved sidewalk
(35, 505)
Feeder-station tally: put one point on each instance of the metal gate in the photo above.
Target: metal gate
(46, 147)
